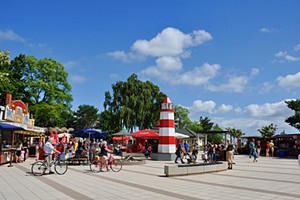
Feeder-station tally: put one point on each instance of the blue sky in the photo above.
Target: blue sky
(235, 62)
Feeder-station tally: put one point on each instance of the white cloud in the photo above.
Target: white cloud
(289, 81)
(168, 63)
(170, 42)
(209, 107)
(121, 55)
(251, 117)
(224, 109)
(254, 72)
(10, 35)
(266, 87)
(268, 110)
(199, 75)
(203, 106)
(169, 47)
(285, 56)
(267, 30)
(78, 78)
(251, 125)
(234, 84)
(71, 64)
(297, 47)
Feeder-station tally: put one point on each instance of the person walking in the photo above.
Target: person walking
(255, 155)
(251, 146)
(179, 152)
(195, 149)
(229, 154)
(258, 148)
(267, 149)
(272, 148)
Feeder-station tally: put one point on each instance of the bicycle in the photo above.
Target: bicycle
(99, 165)
(39, 167)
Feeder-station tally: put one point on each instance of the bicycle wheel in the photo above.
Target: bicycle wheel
(95, 166)
(60, 167)
(116, 165)
(38, 168)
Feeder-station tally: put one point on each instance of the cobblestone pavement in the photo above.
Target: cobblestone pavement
(269, 178)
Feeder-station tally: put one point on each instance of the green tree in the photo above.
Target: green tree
(268, 131)
(6, 78)
(235, 133)
(108, 122)
(86, 117)
(134, 103)
(206, 123)
(181, 117)
(43, 85)
(195, 126)
(295, 119)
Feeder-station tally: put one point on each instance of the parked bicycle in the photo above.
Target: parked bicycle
(39, 167)
(98, 165)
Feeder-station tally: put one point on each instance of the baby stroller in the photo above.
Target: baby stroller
(191, 158)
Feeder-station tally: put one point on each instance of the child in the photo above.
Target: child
(22, 157)
(148, 152)
(254, 155)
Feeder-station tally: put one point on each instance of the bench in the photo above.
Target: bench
(74, 161)
(188, 169)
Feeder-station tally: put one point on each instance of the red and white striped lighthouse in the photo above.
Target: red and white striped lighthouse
(166, 143)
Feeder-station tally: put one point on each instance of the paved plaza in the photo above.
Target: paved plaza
(269, 178)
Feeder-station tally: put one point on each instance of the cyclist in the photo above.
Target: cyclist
(49, 150)
(104, 151)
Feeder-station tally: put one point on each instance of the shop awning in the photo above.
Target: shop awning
(24, 129)
(4, 126)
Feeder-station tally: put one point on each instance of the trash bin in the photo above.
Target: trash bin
(281, 153)
(41, 154)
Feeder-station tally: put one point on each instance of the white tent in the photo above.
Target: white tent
(180, 135)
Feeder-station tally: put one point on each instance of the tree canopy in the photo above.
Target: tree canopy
(41, 83)
(134, 103)
(181, 117)
(295, 119)
(86, 117)
(268, 131)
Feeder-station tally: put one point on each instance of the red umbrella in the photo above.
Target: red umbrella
(120, 138)
(145, 134)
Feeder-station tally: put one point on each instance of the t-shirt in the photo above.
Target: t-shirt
(251, 145)
(103, 150)
(48, 148)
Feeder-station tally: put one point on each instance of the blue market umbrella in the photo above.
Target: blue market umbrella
(90, 133)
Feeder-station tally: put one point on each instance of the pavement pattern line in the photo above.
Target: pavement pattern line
(269, 167)
(143, 187)
(257, 171)
(257, 190)
(68, 191)
(254, 178)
